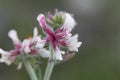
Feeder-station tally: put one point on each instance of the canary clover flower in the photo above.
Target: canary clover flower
(59, 32)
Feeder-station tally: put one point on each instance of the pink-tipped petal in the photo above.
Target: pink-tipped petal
(42, 22)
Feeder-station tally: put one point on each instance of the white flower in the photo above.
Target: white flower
(6, 57)
(73, 43)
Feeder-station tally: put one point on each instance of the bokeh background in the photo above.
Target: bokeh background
(98, 26)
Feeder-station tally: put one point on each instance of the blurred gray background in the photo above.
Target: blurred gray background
(98, 26)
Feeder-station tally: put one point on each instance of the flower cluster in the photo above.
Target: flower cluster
(57, 29)
(28, 46)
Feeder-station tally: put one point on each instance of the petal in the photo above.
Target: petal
(42, 22)
(58, 55)
(79, 44)
(25, 45)
(8, 62)
(2, 51)
(44, 53)
(73, 43)
(69, 22)
(38, 42)
(39, 45)
(27, 49)
(13, 35)
(50, 16)
(5, 57)
(68, 36)
(75, 46)
(26, 42)
(73, 38)
(35, 32)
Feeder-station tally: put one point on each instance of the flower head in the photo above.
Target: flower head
(59, 31)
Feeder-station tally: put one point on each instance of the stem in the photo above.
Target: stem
(40, 75)
(49, 70)
(50, 65)
(30, 70)
(38, 72)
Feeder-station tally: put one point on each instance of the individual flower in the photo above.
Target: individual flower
(58, 29)
(34, 45)
(6, 57)
(10, 56)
